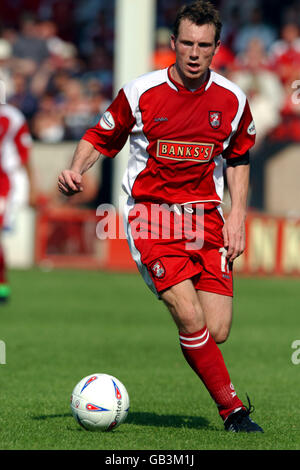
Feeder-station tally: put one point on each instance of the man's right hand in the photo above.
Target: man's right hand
(69, 182)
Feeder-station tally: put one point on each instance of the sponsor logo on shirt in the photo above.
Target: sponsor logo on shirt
(107, 122)
(184, 151)
(160, 119)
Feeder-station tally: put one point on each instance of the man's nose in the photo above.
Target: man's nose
(194, 52)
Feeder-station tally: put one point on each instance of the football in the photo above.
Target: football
(99, 402)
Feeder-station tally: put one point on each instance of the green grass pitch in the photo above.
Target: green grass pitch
(63, 325)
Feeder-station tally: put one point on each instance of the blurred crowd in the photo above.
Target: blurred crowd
(264, 60)
(56, 61)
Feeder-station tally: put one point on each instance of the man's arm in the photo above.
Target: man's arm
(234, 227)
(70, 181)
(32, 185)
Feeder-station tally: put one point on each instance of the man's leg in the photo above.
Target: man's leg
(199, 347)
(184, 306)
(4, 287)
(217, 310)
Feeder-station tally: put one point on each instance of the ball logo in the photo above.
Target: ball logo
(107, 122)
(92, 407)
(88, 382)
(117, 391)
(112, 425)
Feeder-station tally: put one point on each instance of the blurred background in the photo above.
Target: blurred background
(60, 65)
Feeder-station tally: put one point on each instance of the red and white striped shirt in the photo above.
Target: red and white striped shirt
(178, 137)
(15, 144)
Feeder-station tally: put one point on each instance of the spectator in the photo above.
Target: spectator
(21, 96)
(223, 61)
(285, 58)
(29, 45)
(48, 123)
(264, 89)
(231, 26)
(76, 110)
(285, 53)
(47, 31)
(255, 28)
(5, 69)
(99, 67)
(291, 12)
(254, 58)
(163, 55)
(97, 100)
(58, 83)
(289, 128)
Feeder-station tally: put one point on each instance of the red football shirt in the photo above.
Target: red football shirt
(178, 137)
(15, 144)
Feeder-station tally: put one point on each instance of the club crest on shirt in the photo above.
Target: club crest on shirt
(158, 269)
(215, 119)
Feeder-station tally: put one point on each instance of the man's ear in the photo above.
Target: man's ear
(217, 47)
(172, 42)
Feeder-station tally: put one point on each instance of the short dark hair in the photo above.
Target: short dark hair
(199, 12)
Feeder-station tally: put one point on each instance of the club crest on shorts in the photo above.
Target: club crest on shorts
(215, 119)
(158, 269)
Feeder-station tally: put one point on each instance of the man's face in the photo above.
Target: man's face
(195, 47)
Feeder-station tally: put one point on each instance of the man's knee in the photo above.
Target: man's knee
(188, 318)
(220, 333)
(190, 321)
(218, 313)
(186, 312)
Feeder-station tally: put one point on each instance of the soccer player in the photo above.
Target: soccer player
(183, 122)
(15, 145)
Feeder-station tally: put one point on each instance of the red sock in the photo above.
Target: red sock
(203, 355)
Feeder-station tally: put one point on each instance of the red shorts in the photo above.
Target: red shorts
(175, 247)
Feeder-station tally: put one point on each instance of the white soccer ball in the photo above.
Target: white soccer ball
(99, 402)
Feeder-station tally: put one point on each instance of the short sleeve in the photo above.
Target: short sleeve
(111, 132)
(244, 138)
